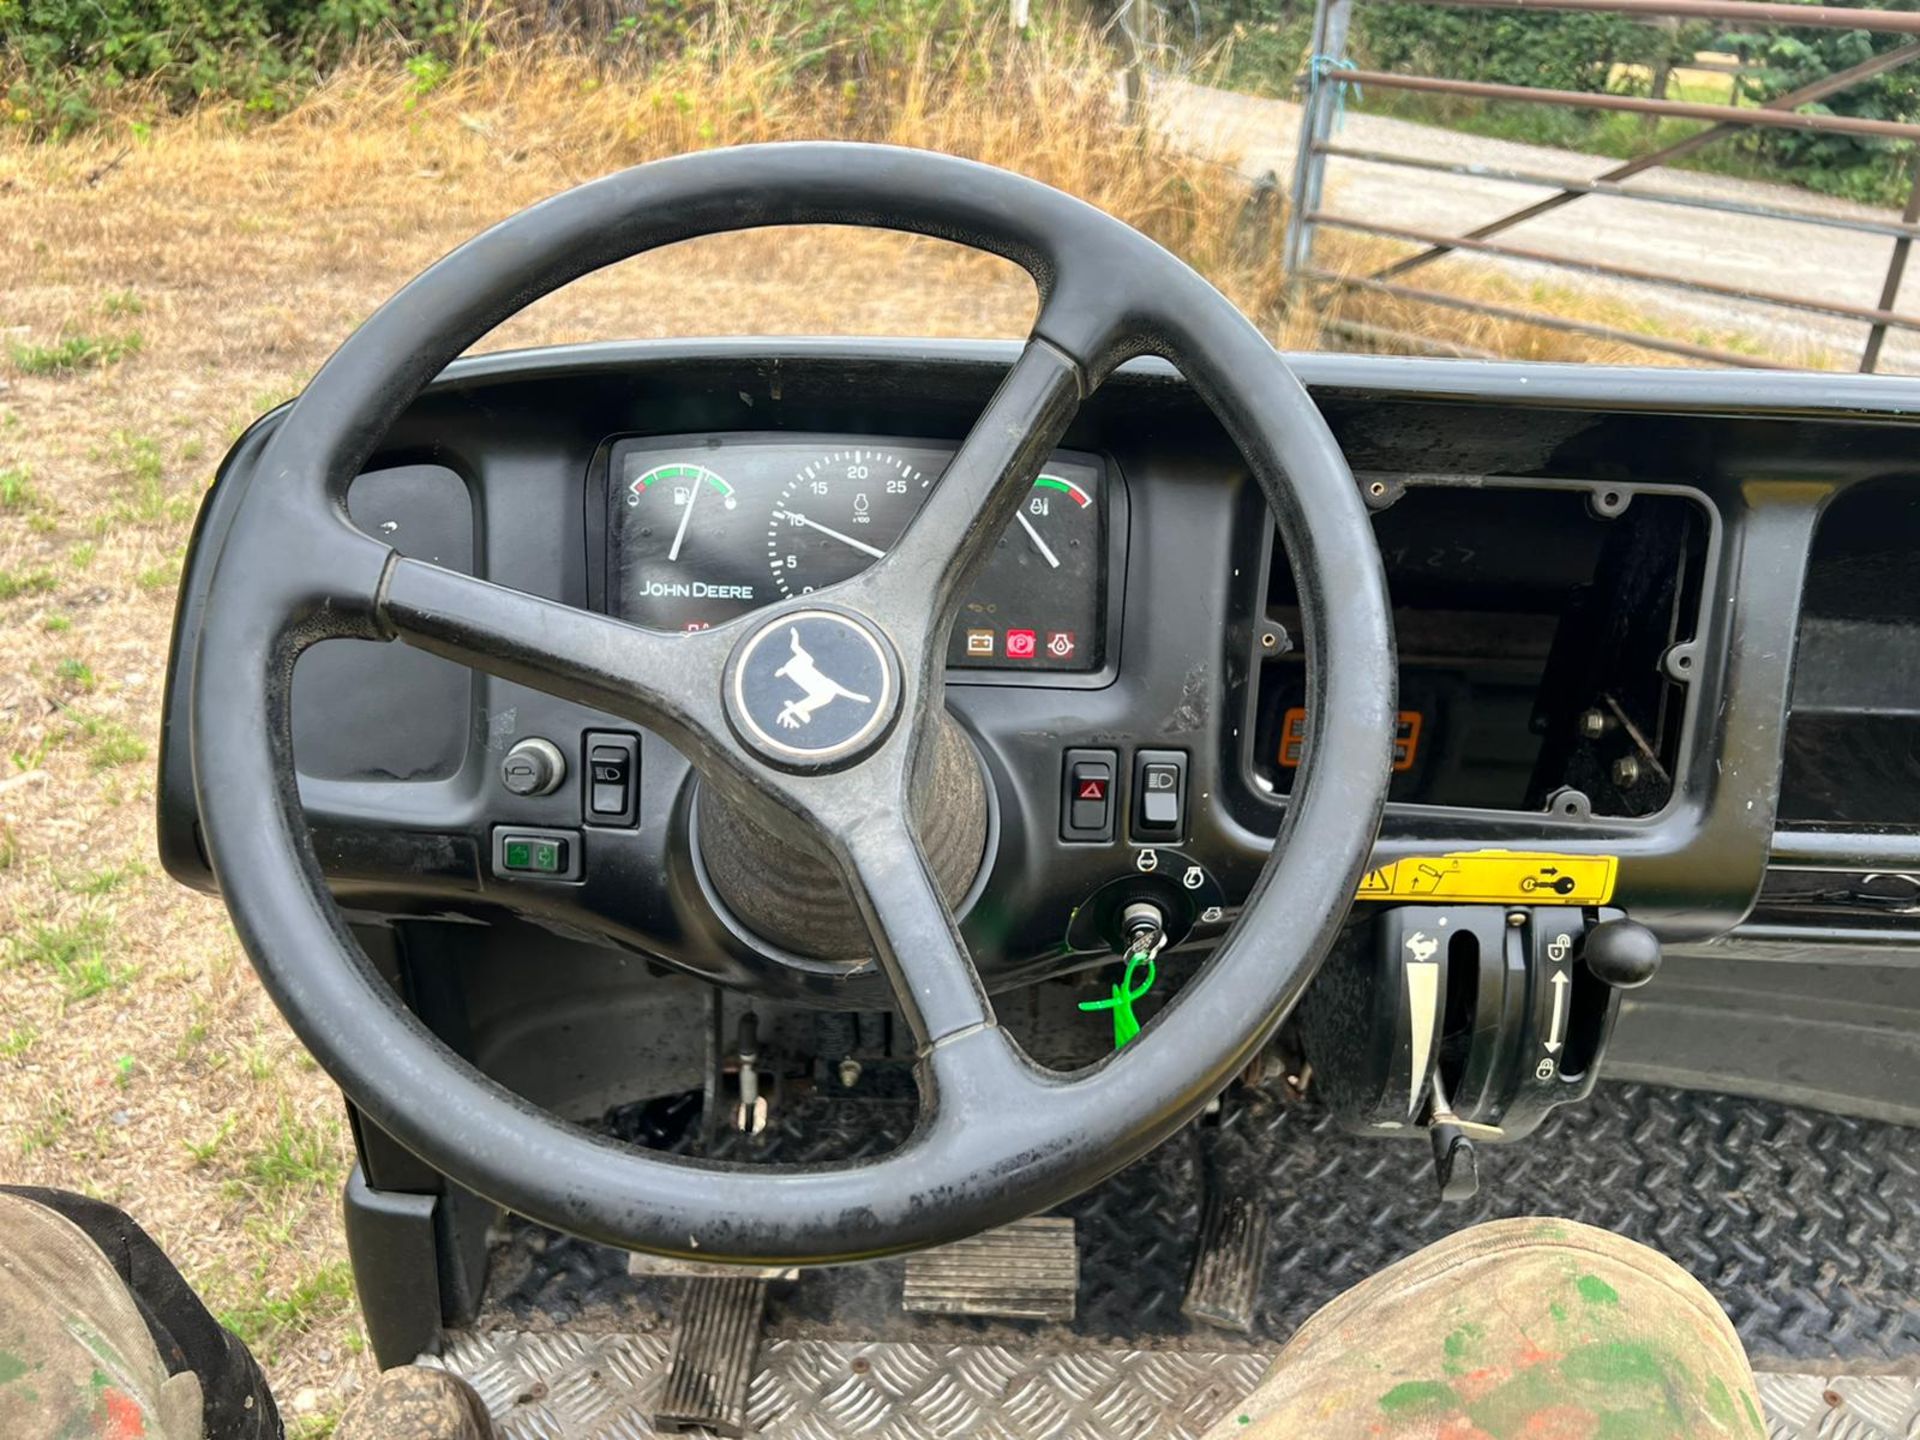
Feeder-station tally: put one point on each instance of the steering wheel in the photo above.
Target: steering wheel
(998, 1136)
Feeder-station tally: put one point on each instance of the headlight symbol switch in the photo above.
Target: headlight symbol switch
(1159, 795)
(613, 778)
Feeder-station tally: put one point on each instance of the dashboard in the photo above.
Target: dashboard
(1659, 618)
(703, 528)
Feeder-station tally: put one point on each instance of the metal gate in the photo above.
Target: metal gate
(1329, 72)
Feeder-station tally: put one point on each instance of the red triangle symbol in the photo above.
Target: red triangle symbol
(1093, 789)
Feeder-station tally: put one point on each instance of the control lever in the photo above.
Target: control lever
(1622, 953)
(1456, 1163)
(750, 1116)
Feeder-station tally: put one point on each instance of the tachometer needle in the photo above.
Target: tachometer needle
(685, 515)
(1038, 544)
(865, 549)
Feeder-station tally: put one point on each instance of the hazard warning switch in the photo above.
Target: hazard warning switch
(1086, 798)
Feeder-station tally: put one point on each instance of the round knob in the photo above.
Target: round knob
(1622, 953)
(533, 767)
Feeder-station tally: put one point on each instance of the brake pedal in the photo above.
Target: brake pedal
(1029, 1270)
(715, 1344)
(1224, 1285)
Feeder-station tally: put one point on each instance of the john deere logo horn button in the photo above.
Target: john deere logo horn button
(811, 687)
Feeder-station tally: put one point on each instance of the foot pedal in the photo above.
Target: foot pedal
(714, 1348)
(1029, 1270)
(1225, 1283)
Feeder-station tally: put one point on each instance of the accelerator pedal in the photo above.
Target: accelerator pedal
(1224, 1285)
(1029, 1270)
(715, 1344)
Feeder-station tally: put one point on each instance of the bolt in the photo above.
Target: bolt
(1626, 772)
(849, 1073)
(1593, 724)
(1516, 918)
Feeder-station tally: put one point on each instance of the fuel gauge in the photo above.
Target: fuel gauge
(682, 545)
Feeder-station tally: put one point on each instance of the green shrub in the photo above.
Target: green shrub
(1594, 53)
(1861, 167)
(1546, 51)
(66, 59)
(64, 62)
(1265, 41)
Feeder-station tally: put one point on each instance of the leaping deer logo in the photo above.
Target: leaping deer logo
(818, 690)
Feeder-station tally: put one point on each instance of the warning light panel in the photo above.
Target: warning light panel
(1293, 739)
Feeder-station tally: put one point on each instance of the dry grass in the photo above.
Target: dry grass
(154, 302)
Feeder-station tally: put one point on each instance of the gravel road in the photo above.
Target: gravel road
(1819, 262)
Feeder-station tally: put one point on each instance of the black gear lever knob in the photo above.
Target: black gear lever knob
(1622, 953)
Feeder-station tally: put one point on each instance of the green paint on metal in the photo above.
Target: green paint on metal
(1596, 1291)
(1615, 1362)
(1509, 1409)
(1753, 1415)
(1463, 1349)
(1638, 1425)
(1720, 1404)
(1414, 1395)
(1122, 998)
(1558, 1311)
(98, 1346)
(12, 1367)
(1246, 1419)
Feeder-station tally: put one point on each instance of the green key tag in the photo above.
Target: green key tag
(1122, 997)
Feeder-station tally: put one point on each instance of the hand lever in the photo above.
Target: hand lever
(1622, 953)
(1456, 1164)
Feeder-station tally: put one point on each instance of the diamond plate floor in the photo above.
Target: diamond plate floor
(1805, 1226)
(570, 1386)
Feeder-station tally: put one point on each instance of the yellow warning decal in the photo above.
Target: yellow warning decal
(1496, 877)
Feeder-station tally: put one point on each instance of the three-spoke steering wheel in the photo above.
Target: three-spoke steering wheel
(998, 1136)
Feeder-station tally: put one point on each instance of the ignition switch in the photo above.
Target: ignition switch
(1143, 934)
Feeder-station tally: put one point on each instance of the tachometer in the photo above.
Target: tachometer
(839, 513)
(844, 510)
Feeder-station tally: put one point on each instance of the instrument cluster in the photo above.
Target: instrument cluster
(704, 528)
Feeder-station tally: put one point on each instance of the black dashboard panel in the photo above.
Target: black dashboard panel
(1853, 739)
(1540, 632)
(419, 704)
(703, 528)
(1191, 637)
